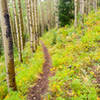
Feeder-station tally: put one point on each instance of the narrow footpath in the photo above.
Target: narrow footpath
(96, 70)
(41, 87)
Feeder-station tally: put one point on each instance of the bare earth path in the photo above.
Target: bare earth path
(41, 87)
(96, 70)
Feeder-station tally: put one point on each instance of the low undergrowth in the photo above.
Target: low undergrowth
(74, 53)
(26, 73)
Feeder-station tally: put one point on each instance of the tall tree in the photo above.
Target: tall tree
(82, 12)
(76, 13)
(86, 7)
(31, 24)
(17, 31)
(95, 5)
(89, 5)
(49, 12)
(28, 24)
(36, 22)
(42, 17)
(8, 45)
(56, 3)
(20, 23)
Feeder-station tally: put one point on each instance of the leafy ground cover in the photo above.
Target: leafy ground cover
(74, 53)
(26, 73)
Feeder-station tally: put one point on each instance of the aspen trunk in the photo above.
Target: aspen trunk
(17, 31)
(8, 45)
(56, 13)
(14, 31)
(31, 24)
(82, 12)
(20, 24)
(76, 13)
(42, 18)
(49, 13)
(28, 24)
(36, 22)
(86, 7)
(39, 20)
(89, 6)
(95, 5)
(12, 23)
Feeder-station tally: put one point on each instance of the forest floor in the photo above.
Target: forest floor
(41, 87)
(96, 70)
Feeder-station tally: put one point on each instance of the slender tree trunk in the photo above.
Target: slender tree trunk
(8, 45)
(28, 24)
(42, 18)
(49, 13)
(86, 7)
(89, 6)
(82, 12)
(56, 13)
(34, 23)
(95, 5)
(76, 13)
(39, 20)
(12, 23)
(21, 24)
(37, 26)
(14, 31)
(17, 31)
(31, 25)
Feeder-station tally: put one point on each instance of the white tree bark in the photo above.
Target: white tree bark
(76, 13)
(8, 45)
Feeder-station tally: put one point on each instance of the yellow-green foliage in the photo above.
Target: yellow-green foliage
(74, 52)
(26, 73)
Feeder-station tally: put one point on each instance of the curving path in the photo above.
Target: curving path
(41, 87)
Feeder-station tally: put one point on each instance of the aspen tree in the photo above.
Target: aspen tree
(8, 45)
(56, 13)
(49, 13)
(36, 22)
(42, 17)
(76, 13)
(39, 22)
(95, 5)
(86, 7)
(82, 12)
(14, 31)
(31, 24)
(12, 23)
(28, 24)
(89, 5)
(20, 24)
(35, 17)
(17, 30)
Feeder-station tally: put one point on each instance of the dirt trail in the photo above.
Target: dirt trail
(41, 87)
(96, 70)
